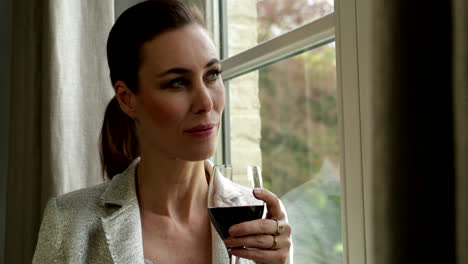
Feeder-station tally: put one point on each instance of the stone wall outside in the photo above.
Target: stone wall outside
(244, 95)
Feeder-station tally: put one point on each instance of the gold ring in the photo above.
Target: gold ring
(275, 243)
(279, 227)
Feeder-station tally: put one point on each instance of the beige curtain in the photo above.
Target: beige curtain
(419, 129)
(460, 94)
(60, 87)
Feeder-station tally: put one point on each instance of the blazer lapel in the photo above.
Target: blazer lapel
(122, 227)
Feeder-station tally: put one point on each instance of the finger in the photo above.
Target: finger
(259, 227)
(258, 241)
(261, 255)
(272, 202)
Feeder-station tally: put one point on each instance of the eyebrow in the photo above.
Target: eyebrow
(184, 70)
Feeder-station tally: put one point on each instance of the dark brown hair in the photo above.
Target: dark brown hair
(137, 25)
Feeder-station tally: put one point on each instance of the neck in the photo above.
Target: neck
(174, 188)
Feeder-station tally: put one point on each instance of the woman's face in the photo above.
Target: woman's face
(181, 95)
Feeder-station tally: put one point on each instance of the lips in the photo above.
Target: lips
(201, 131)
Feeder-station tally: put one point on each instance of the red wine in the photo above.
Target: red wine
(224, 217)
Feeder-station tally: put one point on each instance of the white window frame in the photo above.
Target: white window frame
(353, 84)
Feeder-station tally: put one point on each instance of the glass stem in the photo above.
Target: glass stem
(233, 259)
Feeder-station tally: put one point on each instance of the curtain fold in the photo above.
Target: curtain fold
(460, 94)
(60, 87)
(419, 132)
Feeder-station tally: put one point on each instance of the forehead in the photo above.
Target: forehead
(189, 46)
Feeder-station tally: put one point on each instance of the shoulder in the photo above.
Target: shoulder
(84, 202)
(68, 222)
(82, 197)
(73, 214)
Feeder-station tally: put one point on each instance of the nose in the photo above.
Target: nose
(202, 99)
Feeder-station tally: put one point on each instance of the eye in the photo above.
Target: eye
(213, 75)
(177, 83)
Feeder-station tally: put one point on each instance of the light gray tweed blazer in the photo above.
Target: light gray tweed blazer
(101, 224)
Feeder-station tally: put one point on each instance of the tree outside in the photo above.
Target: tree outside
(299, 133)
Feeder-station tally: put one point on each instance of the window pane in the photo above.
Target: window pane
(284, 117)
(251, 22)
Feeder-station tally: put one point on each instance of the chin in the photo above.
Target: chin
(197, 155)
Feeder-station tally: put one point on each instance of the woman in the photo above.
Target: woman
(158, 132)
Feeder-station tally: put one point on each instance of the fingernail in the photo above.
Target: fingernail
(228, 241)
(233, 230)
(257, 190)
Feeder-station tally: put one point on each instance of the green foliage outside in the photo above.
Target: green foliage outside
(299, 118)
(300, 146)
(300, 139)
(314, 213)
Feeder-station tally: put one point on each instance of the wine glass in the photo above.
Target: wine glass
(230, 203)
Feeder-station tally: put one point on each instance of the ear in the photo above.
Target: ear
(126, 99)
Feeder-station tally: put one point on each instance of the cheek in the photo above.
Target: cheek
(163, 112)
(220, 98)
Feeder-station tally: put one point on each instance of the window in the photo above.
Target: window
(282, 112)
(251, 22)
(294, 136)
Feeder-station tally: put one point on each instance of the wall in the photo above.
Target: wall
(244, 94)
(5, 51)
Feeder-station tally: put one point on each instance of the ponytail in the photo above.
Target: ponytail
(119, 146)
(137, 25)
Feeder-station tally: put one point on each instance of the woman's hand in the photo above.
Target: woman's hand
(263, 240)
